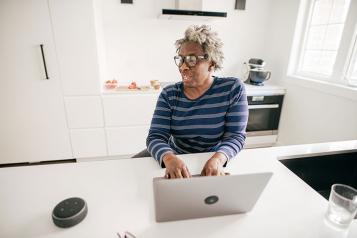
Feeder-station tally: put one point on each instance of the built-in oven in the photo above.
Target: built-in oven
(263, 120)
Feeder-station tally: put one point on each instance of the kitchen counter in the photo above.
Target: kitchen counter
(120, 198)
(252, 90)
(267, 89)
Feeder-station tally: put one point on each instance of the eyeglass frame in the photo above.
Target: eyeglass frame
(185, 58)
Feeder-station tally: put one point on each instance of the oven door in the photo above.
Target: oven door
(264, 115)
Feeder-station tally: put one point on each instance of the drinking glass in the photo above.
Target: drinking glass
(342, 206)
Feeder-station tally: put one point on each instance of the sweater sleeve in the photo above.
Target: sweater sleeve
(235, 123)
(159, 133)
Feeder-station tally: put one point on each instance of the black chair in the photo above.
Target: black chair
(141, 154)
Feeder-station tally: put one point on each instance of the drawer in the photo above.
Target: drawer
(88, 142)
(129, 110)
(126, 140)
(84, 112)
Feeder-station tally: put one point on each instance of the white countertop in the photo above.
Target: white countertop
(252, 90)
(120, 197)
(267, 89)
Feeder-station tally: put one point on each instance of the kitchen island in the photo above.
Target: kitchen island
(119, 195)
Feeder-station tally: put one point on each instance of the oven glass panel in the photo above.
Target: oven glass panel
(263, 119)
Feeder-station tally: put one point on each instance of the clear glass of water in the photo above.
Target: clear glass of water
(342, 205)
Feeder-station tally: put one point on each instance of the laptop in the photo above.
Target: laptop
(197, 197)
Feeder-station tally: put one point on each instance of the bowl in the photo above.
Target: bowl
(259, 76)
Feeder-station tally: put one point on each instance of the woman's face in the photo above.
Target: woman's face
(197, 75)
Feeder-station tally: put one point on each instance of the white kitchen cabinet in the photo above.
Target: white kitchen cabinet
(84, 112)
(76, 42)
(88, 142)
(126, 140)
(129, 110)
(127, 120)
(32, 123)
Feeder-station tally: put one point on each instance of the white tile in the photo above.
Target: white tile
(88, 142)
(84, 112)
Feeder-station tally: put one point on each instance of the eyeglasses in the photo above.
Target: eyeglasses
(190, 60)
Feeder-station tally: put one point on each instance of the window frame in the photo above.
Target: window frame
(352, 62)
(348, 45)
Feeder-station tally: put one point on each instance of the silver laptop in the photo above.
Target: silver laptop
(196, 197)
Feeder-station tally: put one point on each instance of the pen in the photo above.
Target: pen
(129, 235)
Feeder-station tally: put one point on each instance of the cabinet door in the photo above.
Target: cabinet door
(127, 140)
(129, 110)
(76, 43)
(32, 122)
(89, 142)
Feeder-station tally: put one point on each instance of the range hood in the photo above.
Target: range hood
(192, 9)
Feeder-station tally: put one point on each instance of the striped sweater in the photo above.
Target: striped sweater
(214, 122)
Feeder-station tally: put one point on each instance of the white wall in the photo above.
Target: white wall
(140, 46)
(310, 114)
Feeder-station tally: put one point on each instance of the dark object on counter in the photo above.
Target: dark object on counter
(126, 1)
(257, 76)
(257, 62)
(69, 212)
(127, 234)
(240, 4)
(256, 72)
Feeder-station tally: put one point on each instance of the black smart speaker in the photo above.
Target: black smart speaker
(69, 212)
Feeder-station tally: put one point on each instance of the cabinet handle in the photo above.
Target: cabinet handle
(44, 62)
(263, 106)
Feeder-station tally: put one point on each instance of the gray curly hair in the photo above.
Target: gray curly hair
(211, 44)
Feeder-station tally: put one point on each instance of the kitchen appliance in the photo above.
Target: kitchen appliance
(256, 74)
(263, 120)
(191, 10)
(69, 212)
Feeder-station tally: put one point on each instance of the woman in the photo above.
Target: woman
(200, 114)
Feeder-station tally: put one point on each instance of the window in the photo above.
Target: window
(323, 36)
(352, 71)
(324, 50)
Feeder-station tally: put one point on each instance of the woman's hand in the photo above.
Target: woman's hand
(214, 166)
(175, 167)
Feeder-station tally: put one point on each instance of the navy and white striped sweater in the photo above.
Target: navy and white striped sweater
(214, 122)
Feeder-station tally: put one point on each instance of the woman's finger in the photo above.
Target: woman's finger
(172, 175)
(208, 172)
(186, 173)
(178, 174)
(215, 172)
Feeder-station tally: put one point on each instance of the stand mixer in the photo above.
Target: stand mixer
(256, 74)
